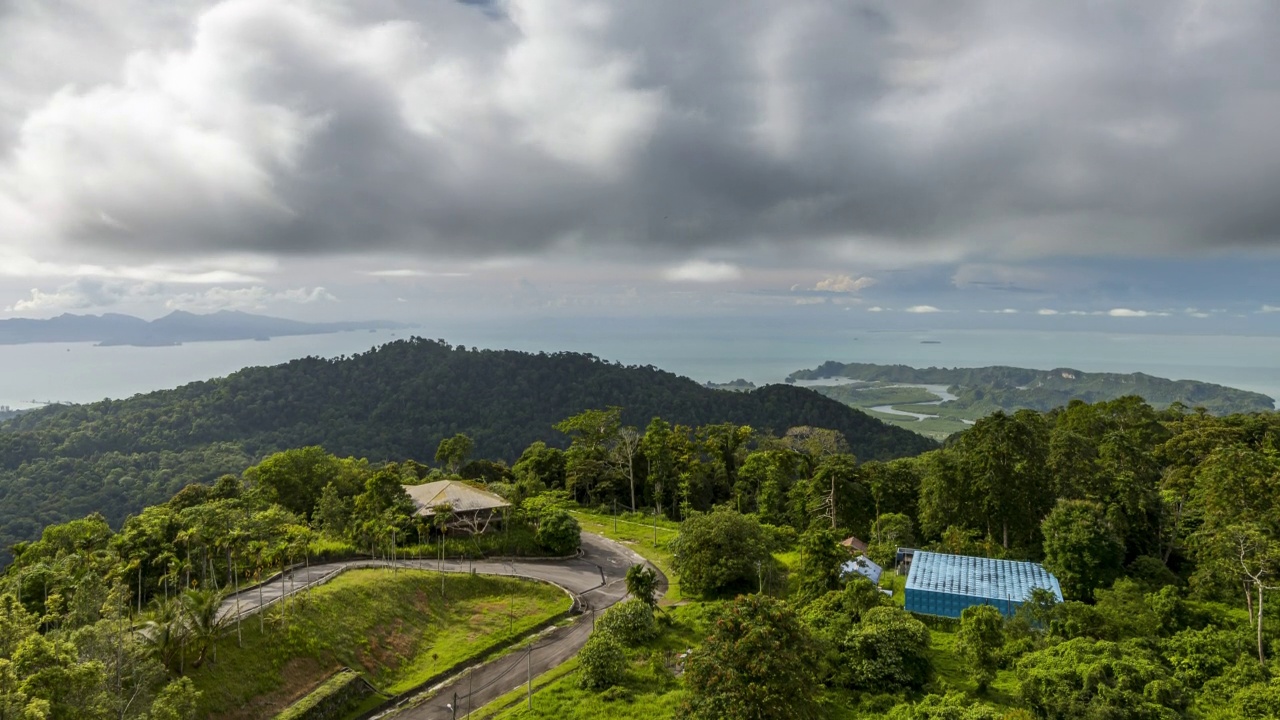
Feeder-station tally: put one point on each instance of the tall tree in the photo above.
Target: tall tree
(626, 451)
(1082, 548)
(821, 558)
(1006, 457)
(294, 479)
(453, 452)
(589, 471)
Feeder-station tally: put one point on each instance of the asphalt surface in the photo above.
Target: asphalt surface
(596, 578)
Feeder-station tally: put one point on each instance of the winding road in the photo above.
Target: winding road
(596, 578)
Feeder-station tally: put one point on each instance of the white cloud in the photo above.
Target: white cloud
(194, 272)
(703, 271)
(84, 294)
(875, 308)
(1005, 311)
(844, 284)
(1265, 309)
(89, 294)
(1130, 313)
(921, 309)
(255, 298)
(1046, 311)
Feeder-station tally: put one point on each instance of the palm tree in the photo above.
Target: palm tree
(202, 609)
(165, 633)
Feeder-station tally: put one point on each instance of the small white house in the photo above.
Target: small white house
(863, 566)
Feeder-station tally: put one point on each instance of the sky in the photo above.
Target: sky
(950, 163)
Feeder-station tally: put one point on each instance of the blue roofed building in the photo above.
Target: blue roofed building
(941, 584)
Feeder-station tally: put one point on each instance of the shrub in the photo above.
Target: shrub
(759, 662)
(980, 641)
(888, 650)
(602, 661)
(631, 622)
(559, 532)
(719, 552)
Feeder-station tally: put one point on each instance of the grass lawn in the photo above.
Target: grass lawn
(645, 693)
(393, 628)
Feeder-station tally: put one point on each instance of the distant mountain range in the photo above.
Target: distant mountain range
(176, 328)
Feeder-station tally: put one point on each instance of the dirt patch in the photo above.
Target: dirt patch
(389, 645)
(300, 676)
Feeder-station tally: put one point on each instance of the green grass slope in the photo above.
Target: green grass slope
(393, 628)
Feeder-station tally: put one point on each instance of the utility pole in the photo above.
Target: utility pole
(454, 706)
(471, 684)
(236, 577)
(530, 680)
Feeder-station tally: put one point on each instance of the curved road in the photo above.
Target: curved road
(597, 578)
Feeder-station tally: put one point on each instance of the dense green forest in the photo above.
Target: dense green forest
(394, 402)
(985, 390)
(100, 624)
(1163, 527)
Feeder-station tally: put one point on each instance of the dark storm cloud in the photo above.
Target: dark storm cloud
(515, 128)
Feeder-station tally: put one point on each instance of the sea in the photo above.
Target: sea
(706, 350)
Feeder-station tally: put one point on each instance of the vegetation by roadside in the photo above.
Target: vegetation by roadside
(393, 627)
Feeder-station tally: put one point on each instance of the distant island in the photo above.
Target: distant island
(175, 328)
(940, 401)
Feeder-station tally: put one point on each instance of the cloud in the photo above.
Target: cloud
(91, 294)
(84, 294)
(198, 128)
(703, 271)
(252, 298)
(410, 273)
(1269, 309)
(1046, 311)
(922, 309)
(1130, 313)
(875, 308)
(844, 284)
(1003, 311)
(195, 271)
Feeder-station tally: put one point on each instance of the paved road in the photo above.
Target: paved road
(597, 578)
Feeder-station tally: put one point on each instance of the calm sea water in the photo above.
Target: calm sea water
(703, 350)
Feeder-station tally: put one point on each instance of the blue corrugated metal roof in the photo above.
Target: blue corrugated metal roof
(979, 577)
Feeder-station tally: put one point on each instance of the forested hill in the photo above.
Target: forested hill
(1010, 388)
(393, 402)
